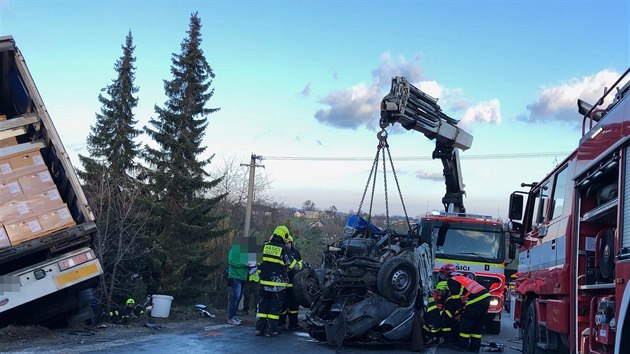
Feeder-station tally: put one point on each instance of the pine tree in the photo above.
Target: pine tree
(177, 175)
(114, 197)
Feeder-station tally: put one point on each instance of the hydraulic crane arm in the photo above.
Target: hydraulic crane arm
(414, 109)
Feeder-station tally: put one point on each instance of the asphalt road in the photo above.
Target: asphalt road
(223, 338)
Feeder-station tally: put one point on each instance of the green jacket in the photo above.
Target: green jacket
(237, 262)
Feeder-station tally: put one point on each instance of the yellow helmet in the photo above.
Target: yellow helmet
(130, 301)
(289, 238)
(282, 231)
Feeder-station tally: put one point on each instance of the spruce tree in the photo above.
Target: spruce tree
(111, 139)
(177, 175)
(114, 197)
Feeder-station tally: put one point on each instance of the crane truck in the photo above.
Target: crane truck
(573, 230)
(47, 267)
(475, 244)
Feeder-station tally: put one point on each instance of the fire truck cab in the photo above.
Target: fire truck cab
(573, 230)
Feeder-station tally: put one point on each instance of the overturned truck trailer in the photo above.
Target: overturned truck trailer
(47, 268)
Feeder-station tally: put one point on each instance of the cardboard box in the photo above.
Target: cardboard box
(4, 238)
(36, 182)
(21, 164)
(45, 201)
(56, 219)
(8, 141)
(14, 211)
(27, 162)
(24, 230)
(10, 190)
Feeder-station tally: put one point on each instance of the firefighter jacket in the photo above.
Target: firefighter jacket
(295, 265)
(466, 290)
(273, 269)
(254, 274)
(432, 321)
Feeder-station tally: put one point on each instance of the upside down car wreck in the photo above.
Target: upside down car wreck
(370, 288)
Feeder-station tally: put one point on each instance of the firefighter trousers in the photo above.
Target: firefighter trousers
(471, 325)
(289, 309)
(269, 307)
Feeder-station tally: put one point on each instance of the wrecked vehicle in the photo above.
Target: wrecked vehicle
(369, 288)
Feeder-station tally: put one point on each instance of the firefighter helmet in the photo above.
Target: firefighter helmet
(289, 238)
(448, 269)
(130, 301)
(282, 231)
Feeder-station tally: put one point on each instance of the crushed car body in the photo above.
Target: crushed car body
(370, 286)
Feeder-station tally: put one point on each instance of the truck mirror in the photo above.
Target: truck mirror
(516, 206)
(512, 251)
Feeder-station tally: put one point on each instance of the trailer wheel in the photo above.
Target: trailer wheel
(530, 331)
(397, 280)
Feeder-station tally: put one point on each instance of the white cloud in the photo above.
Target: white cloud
(559, 102)
(307, 89)
(431, 176)
(359, 105)
(484, 112)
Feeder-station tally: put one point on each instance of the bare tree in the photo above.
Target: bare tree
(121, 218)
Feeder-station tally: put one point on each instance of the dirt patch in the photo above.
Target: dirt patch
(31, 339)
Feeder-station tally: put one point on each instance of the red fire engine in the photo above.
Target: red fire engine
(574, 237)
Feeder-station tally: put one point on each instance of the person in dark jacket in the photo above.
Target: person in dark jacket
(273, 281)
(477, 300)
(290, 306)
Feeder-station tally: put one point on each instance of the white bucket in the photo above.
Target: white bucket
(161, 306)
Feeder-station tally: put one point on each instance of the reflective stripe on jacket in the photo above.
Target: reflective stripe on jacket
(467, 289)
(273, 269)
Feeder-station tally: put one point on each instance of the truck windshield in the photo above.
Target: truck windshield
(468, 243)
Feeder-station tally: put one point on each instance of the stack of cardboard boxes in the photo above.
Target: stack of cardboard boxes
(30, 204)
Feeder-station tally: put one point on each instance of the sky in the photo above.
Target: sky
(300, 83)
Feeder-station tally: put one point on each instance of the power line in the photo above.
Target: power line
(525, 155)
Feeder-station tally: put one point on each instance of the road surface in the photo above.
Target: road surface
(223, 338)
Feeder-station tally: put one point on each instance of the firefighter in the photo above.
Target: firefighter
(476, 302)
(450, 314)
(290, 306)
(432, 323)
(125, 313)
(250, 294)
(273, 281)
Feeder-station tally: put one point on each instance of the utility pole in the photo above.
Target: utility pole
(250, 191)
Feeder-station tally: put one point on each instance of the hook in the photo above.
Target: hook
(382, 139)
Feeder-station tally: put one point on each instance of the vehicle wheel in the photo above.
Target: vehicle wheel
(493, 327)
(397, 280)
(530, 332)
(306, 287)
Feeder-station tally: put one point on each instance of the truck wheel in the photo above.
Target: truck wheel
(397, 280)
(530, 332)
(493, 327)
(306, 287)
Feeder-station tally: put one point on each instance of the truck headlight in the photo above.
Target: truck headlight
(496, 304)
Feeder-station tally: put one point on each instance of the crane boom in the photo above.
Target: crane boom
(414, 109)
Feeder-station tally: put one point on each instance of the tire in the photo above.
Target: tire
(530, 332)
(397, 281)
(306, 287)
(493, 327)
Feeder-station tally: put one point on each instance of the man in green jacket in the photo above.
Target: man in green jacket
(237, 275)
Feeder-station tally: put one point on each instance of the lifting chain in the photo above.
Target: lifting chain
(382, 144)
